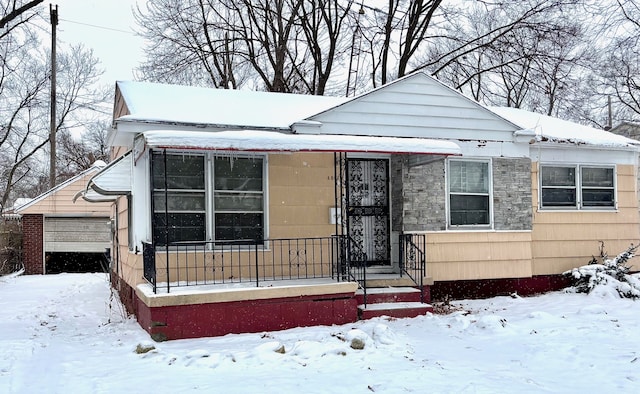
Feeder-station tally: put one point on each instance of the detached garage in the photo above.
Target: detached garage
(60, 235)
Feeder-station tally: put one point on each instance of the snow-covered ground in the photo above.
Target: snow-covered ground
(64, 334)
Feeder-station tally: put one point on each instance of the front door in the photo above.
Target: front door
(367, 211)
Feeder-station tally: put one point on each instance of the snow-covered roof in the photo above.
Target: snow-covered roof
(224, 107)
(262, 141)
(21, 201)
(547, 128)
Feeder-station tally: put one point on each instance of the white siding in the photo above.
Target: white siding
(416, 106)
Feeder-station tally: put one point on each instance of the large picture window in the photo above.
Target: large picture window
(185, 205)
(469, 193)
(577, 187)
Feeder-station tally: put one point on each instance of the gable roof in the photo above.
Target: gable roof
(549, 129)
(97, 166)
(218, 107)
(416, 105)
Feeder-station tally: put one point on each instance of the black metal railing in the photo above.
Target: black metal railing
(257, 262)
(413, 261)
(149, 264)
(244, 261)
(356, 265)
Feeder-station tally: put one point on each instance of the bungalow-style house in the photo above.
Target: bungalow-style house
(63, 234)
(249, 211)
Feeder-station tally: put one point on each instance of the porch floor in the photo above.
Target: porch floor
(183, 288)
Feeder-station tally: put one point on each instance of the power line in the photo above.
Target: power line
(98, 27)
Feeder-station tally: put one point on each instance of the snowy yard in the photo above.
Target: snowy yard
(61, 334)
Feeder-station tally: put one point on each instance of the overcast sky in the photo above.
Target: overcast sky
(105, 26)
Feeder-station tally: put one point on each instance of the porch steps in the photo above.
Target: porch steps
(395, 302)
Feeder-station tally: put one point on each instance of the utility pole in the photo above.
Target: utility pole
(52, 131)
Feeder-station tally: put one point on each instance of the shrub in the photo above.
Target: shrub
(10, 246)
(607, 276)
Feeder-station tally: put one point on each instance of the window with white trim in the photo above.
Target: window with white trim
(577, 187)
(186, 207)
(469, 192)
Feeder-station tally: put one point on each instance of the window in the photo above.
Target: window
(231, 205)
(577, 187)
(558, 186)
(180, 188)
(238, 198)
(469, 192)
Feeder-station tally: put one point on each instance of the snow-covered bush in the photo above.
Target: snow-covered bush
(606, 275)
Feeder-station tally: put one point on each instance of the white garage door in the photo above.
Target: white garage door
(84, 235)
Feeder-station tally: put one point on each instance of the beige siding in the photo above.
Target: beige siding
(131, 268)
(60, 202)
(130, 265)
(119, 105)
(564, 240)
(301, 193)
(478, 255)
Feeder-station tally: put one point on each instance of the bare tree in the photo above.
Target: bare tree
(13, 10)
(187, 45)
(279, 46)
(24, 102)
(535, 54)
(323, 28)
(533, 65)
(77, 154)
(23, 79)
(621, 66)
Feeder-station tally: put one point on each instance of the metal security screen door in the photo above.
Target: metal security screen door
(367, 211)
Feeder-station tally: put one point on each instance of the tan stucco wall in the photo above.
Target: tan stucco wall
(60, 202)
(563, 240)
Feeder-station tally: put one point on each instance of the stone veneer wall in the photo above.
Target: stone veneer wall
(424, 197)
(512, 200)
(421, 189)
(396, 167)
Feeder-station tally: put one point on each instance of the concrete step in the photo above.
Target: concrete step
(393, 309)
(376, 295)
(381, 281)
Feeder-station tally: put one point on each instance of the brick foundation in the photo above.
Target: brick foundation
(33, 244)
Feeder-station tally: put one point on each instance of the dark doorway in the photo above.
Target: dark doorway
(58, 262)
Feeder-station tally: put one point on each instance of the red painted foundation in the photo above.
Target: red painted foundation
(216, 319)
(485, 288)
